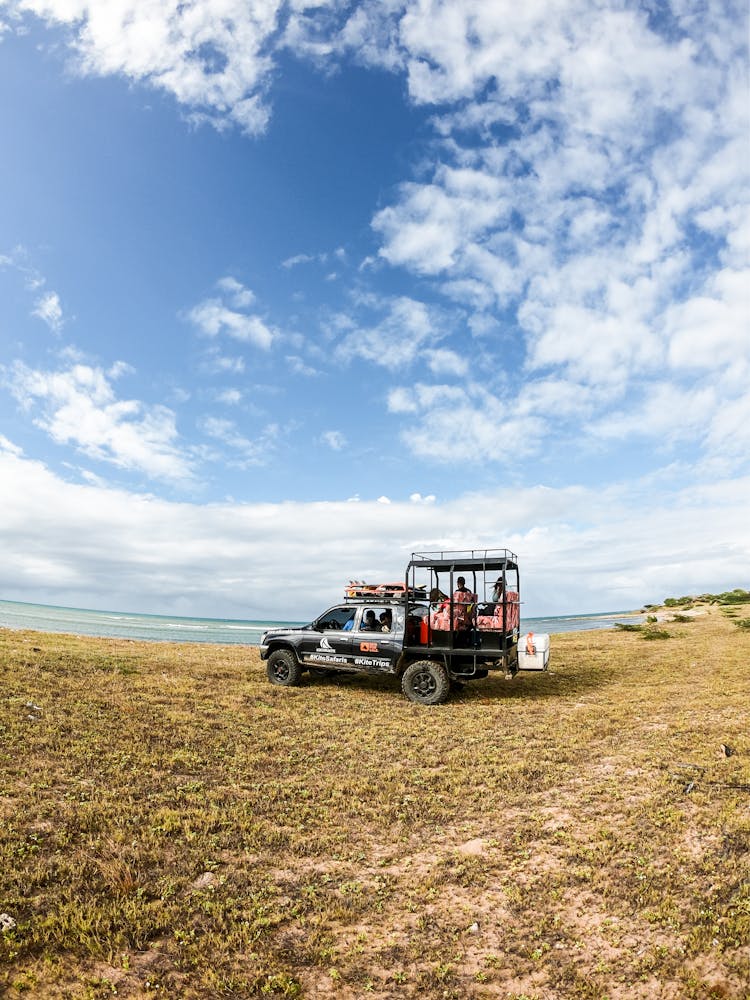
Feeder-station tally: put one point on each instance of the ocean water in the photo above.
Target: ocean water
(168, 628)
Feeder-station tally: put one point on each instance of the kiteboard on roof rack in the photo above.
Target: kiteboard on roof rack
(357, 589)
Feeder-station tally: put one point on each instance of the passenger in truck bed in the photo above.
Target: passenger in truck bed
(462, 594)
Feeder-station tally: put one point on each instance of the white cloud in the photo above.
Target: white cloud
(10, 448)
(300, 367)
(229, 396)
(213, 318)
(446, 362)
(105, 547)
(217, 363)
(335, 440)
(244, 452)
(712, 330)
(667, 413)
(397, 340)
(213, 56)
(78, 406)
(49, 310)
(297, 259)
(466, 424)
(239, 296)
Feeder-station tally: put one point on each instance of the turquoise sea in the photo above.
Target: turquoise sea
(170, 628)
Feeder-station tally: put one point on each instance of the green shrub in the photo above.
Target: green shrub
(736, 596)
(656, 633)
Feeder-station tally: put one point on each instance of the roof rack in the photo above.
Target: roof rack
(465, 559)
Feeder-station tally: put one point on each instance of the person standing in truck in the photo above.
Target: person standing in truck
(463, 604)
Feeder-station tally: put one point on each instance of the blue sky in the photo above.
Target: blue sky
(288, 291)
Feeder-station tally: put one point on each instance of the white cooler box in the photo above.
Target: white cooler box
(537, 660)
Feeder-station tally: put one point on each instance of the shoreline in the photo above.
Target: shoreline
(606, 623)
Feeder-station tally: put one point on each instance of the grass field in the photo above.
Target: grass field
(174, 826)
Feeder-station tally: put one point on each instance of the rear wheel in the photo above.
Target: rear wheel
(426, 682)
(283, 668)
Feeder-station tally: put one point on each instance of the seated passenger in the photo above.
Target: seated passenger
(369, 623)
(386, 620)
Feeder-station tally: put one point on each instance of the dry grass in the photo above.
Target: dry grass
(174, 826)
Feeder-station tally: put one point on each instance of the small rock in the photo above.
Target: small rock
(7, 923)
(473, 847)
(205, 881)
(473, 928)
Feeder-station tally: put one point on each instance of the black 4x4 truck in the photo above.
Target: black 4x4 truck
(455, 618)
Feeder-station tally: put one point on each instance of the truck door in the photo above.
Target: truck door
(329, 643)
(378, 638)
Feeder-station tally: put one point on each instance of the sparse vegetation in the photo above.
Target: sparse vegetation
(656, 633)
(736, 596)
(173, 826)
(648, 630)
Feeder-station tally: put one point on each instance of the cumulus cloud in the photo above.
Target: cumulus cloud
(232, 560)
(78, 406)
(582, 209)
(468, 425)
(228, 316)
(212, 56)
(589, 188)
(239, 296)
(396, 340)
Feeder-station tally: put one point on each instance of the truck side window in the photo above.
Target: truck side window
(337, 618)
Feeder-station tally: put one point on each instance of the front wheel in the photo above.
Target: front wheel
(283, 668)
(426, 682)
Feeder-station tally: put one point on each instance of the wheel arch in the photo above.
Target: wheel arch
(283, 644)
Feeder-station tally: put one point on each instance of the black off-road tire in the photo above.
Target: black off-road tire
(426, 682)
(283, 668)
